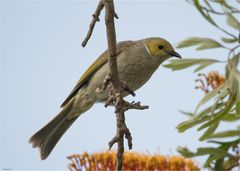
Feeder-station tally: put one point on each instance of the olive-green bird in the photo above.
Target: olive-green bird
(137, 61)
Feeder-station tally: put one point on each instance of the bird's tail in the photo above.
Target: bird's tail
(47, 137)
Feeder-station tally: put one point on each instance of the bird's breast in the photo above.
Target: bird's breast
(134, 68)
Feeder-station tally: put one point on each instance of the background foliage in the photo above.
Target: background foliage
(221, 102)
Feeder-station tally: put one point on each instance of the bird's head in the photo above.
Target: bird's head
(160, 48)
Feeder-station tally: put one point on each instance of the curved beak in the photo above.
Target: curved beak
(175, 54)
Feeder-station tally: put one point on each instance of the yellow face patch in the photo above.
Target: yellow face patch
(158, 47)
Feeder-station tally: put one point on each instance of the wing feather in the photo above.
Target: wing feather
(100, 61)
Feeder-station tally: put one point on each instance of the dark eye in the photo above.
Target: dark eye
(160, 47)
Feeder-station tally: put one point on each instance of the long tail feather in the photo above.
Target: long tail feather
(47, 137)
(49, 143)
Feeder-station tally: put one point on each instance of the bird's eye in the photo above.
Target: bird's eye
(160, 47)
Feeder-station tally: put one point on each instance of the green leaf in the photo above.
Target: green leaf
(232, 21)
(213, 158)
(205, 15)
(227, 40)
(204, 64)
(225, 134)
(210, 95)
(213, 151)
(187, 113)
(226, 5)
(216, 152)
(233, 76)
(238, 109)
(185, 152)
(191, 123)
(209, 132)
(198, 118)
(231, 117)
(202, 43)
(223, 146)
(227, 145)
(217, 117)
(206, 111)
(178, 64)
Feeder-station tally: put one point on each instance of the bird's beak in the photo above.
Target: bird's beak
(173, 53)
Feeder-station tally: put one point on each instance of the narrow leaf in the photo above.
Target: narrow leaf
(202, 43)
(231, 117)
(177, 64)
(233, 76)
(185, 152)
(220, 153)
(225, 134)
(209, 96)
(191, 123)
(227, 40)
(219, 115)
(209, 132)
(213, 151)
(232, 21)
(204, 65)
(205, 15)
(187, 113)
(226, 145)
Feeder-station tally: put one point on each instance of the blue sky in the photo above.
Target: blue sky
(41, 60)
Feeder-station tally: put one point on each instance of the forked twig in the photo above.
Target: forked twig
(117, 86)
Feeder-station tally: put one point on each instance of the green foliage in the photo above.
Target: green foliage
(224, 134)
(232, 21)
(223, 102)
(178, 64)
(203, 43)
(229, 40)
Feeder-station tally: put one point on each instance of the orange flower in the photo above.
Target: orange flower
(131, 161)
(211, 81)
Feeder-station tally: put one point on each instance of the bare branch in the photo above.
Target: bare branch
(134, 105)
(115, 97)
(116, 84)
(92, 24)
(111, 40)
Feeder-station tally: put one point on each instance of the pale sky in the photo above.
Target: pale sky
(42, 59)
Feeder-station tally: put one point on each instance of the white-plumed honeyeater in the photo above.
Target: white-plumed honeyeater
(137, 61)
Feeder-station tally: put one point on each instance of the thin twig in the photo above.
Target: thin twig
(112, 56)
(208, 11)
(92, 24)
(117, 86)
(134, 105)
